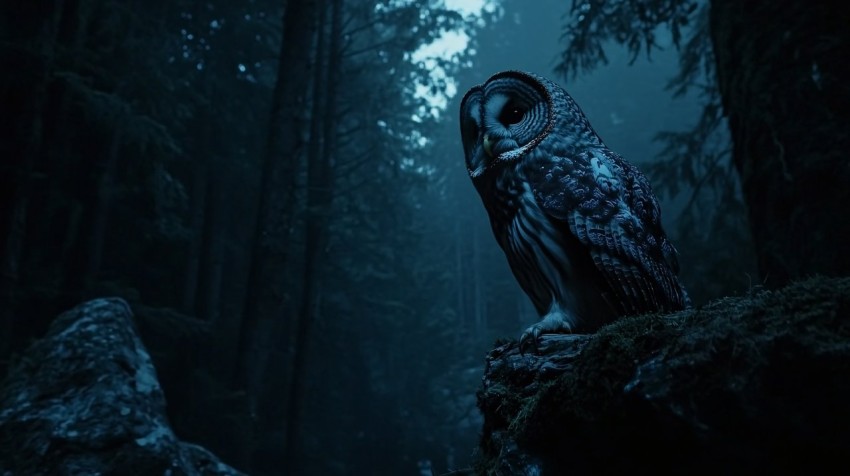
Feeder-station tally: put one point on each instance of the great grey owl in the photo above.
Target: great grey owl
(580, 226)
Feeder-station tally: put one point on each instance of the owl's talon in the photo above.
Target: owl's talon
(529, 340)
(552, 323)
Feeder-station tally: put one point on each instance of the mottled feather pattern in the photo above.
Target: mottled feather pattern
(580, 226)
(617, 217)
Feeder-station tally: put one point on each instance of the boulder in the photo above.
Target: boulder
(85, 399)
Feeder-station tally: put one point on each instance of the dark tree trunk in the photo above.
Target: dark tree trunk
(265, 294)
(210, 279)
(200, 238)
(479, 301)
(782, 72)
(319, 198)
(73, 32)
(101, 207)
(32, 23)
(269, 361)
(193, 261)
(460, 241)
(199, 202)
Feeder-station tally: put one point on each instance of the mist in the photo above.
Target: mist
(278, 192)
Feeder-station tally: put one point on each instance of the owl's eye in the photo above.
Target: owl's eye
(512, 114)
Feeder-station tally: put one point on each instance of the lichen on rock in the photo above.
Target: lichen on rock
(85, 400)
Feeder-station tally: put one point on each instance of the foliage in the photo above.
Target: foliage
(630, 23)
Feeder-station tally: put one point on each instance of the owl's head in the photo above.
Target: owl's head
(508, 116)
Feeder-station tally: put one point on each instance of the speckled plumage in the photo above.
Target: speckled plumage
(580, 226)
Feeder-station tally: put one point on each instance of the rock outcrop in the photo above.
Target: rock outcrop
(757, 384)
(85, 400)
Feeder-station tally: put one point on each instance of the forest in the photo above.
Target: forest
(277, 188)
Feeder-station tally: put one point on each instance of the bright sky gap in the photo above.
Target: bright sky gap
(447, 46)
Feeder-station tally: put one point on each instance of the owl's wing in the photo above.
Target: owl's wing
(609, 206)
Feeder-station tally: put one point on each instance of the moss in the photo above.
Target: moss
(595, 387)
(740, 377)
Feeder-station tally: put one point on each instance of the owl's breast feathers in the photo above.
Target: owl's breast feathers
(609, 206)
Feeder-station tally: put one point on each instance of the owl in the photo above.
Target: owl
(580, 226)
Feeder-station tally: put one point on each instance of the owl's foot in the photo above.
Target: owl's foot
(552, 323)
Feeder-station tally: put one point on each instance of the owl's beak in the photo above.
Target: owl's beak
(488, 145)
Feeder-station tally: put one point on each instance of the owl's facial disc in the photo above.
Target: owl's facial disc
(470, 132)
(515, 116)
(504, 119)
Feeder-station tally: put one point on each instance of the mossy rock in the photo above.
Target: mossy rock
(750, 384)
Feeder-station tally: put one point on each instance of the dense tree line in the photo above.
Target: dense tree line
(249, 172)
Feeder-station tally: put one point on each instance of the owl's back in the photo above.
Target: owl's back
(607, 204)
